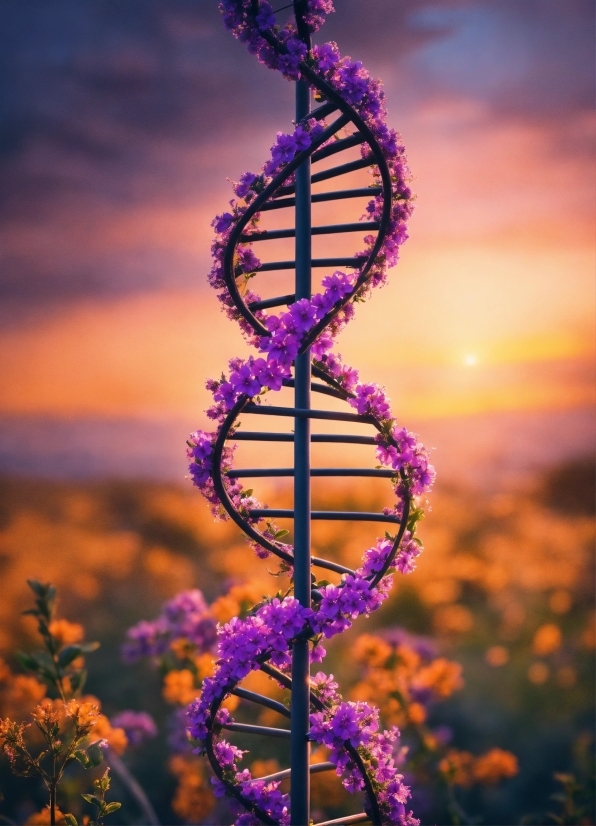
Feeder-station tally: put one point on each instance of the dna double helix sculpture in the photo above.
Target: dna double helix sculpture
(281, 637)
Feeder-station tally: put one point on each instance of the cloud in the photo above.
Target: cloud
(116, 113)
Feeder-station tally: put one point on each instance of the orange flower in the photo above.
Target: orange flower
(495, 765)
(457, 766)
(43, 818)
(547, 639)
(85, 714)
(193, 800)
(370, 650)
(416, 713)
(441, 676)
(48, 712)
(238, 600)
(115, 737)
(66, 632)
(205, 664)
(20, 693)
(179, 687)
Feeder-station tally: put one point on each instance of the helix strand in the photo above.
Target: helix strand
(351, 116)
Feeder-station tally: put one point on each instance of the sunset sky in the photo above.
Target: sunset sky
(122, 121)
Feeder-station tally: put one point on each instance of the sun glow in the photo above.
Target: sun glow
(471, 360)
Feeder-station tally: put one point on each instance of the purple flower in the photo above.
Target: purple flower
(269, 373)
(138, 725)
(303, 315)
(243, 381)
(223, 222)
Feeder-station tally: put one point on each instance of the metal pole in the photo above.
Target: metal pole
(300, 703)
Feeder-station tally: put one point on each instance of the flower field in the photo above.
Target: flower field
(482, 657)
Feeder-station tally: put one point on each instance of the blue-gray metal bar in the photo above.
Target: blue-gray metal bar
(261, 700)
(278, 301)
(337, 146)
(329, 229)
(300, 701)
(334, 172)
(331, 516)
(315, 768)
(245, 728)
(305, 413)
(261, 436)
(343, 169)
(271, 266)
(253, 473)
(317, 197)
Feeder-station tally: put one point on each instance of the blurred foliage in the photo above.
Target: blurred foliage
(505, 588)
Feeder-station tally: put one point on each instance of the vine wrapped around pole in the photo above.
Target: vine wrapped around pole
(293, 336)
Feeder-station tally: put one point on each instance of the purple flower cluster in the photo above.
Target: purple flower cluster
(138, 725)
(185, 615)
(268, 633)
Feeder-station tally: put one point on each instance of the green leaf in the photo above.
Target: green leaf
(68, 654)
(37, 587)
(70, 820)
(91, 798)
(95, 754)
(280, 534)
(88, 647)
(81, 757)
(112, 807)
(27, 661)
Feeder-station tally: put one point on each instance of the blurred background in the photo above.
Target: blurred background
(121, 121)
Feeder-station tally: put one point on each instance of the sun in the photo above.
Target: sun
(470, 360)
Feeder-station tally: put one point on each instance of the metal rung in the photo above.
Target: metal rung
(334, 172)
(338, 146)
(315, 262)
(361, 163)
(261, 700)
(340, 821)
(317, 197)
(322, 111)
(343, 440)
(330, 566)
(280, 301)
(259, 436)
(247, 473)
(266, 730)
(332, 516)
(331, 229)
(296, 412)
(315, 768)
(317, 388)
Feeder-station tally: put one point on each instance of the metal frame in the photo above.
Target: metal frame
(285, 192)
